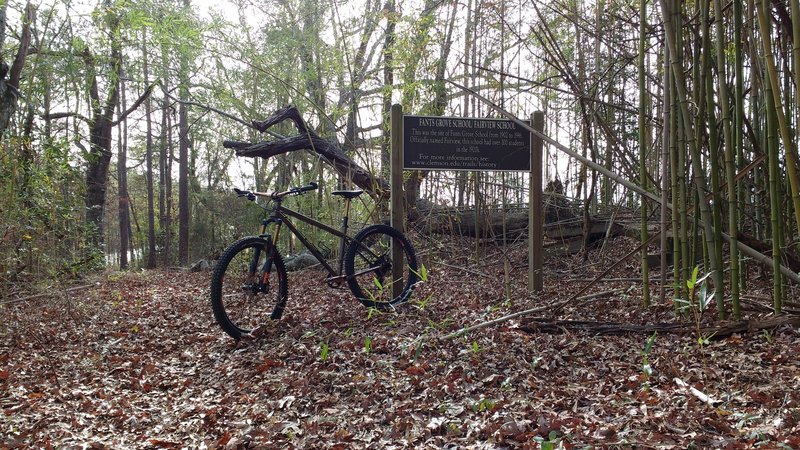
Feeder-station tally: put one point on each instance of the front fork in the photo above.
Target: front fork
(263, 283)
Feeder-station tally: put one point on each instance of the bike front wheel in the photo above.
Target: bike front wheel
(248, 286)
(368, 267)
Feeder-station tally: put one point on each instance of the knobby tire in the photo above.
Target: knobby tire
(370, 249)
(240, 299)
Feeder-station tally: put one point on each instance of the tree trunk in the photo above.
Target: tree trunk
(122, 184)
(730, 168)
(151, 221)
(388, 83)
(9, 87)
(183, 157)
(307, 139)
(643, 143)
(99, 157)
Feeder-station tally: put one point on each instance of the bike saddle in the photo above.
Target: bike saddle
(348, 194)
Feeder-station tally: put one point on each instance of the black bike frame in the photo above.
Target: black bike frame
(280, 215)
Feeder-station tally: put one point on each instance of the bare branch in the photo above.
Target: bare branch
(64, 115)
(136, 105)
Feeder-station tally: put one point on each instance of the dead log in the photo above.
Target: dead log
(750, 326)
(598, 328)
(563, 222)
(562, 225)
(789, 258)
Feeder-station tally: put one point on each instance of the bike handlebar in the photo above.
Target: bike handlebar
(251, 195)
(242, 193)
(312, 186)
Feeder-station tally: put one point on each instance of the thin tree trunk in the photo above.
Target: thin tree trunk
(183, 157)
(666, 143)
(122, 183)
(151, 221)
(730, 168)
(9, 88)
(774, 195)
(388, 82)
(643, 144)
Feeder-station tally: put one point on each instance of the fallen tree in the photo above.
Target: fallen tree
(307, 139)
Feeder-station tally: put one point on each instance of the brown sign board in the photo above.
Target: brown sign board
(457, 143)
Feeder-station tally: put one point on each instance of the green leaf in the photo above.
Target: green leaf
(324, 348)
(367, 344)
(648, 343)
(703, 297)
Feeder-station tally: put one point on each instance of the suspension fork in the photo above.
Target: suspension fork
(271, 239)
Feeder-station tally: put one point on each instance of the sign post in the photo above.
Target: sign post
(535, 232)
(398, 212)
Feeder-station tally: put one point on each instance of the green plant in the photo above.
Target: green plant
(475, 348)
(418, 349)
(422, 273)
(368, 344)
(552, 441)
(324, 349)
(767, 336)
(440, 325)
(485, 404)
(421, 304)
(647, 369)
(697, 303)
(371, 312)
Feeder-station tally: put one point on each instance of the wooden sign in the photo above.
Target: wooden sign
(457, 143)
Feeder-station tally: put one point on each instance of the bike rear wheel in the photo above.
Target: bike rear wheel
(248, 286)
(368, 267)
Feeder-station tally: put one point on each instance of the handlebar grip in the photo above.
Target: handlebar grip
(242, 193)
(235, 144)
(309, 187)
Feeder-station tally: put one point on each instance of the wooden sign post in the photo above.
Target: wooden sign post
(535, 232)
(398, 213)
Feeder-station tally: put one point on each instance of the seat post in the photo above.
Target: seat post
(346, 214)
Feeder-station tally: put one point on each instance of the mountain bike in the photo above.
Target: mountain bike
(249, 280)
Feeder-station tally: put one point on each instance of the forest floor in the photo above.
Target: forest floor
(137, 361)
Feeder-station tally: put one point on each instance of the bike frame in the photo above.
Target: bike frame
(280, 215)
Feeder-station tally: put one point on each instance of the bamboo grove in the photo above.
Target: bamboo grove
(113, 113)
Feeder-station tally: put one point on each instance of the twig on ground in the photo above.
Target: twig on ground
(464, 269)
(43, 294)
(525, 313)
